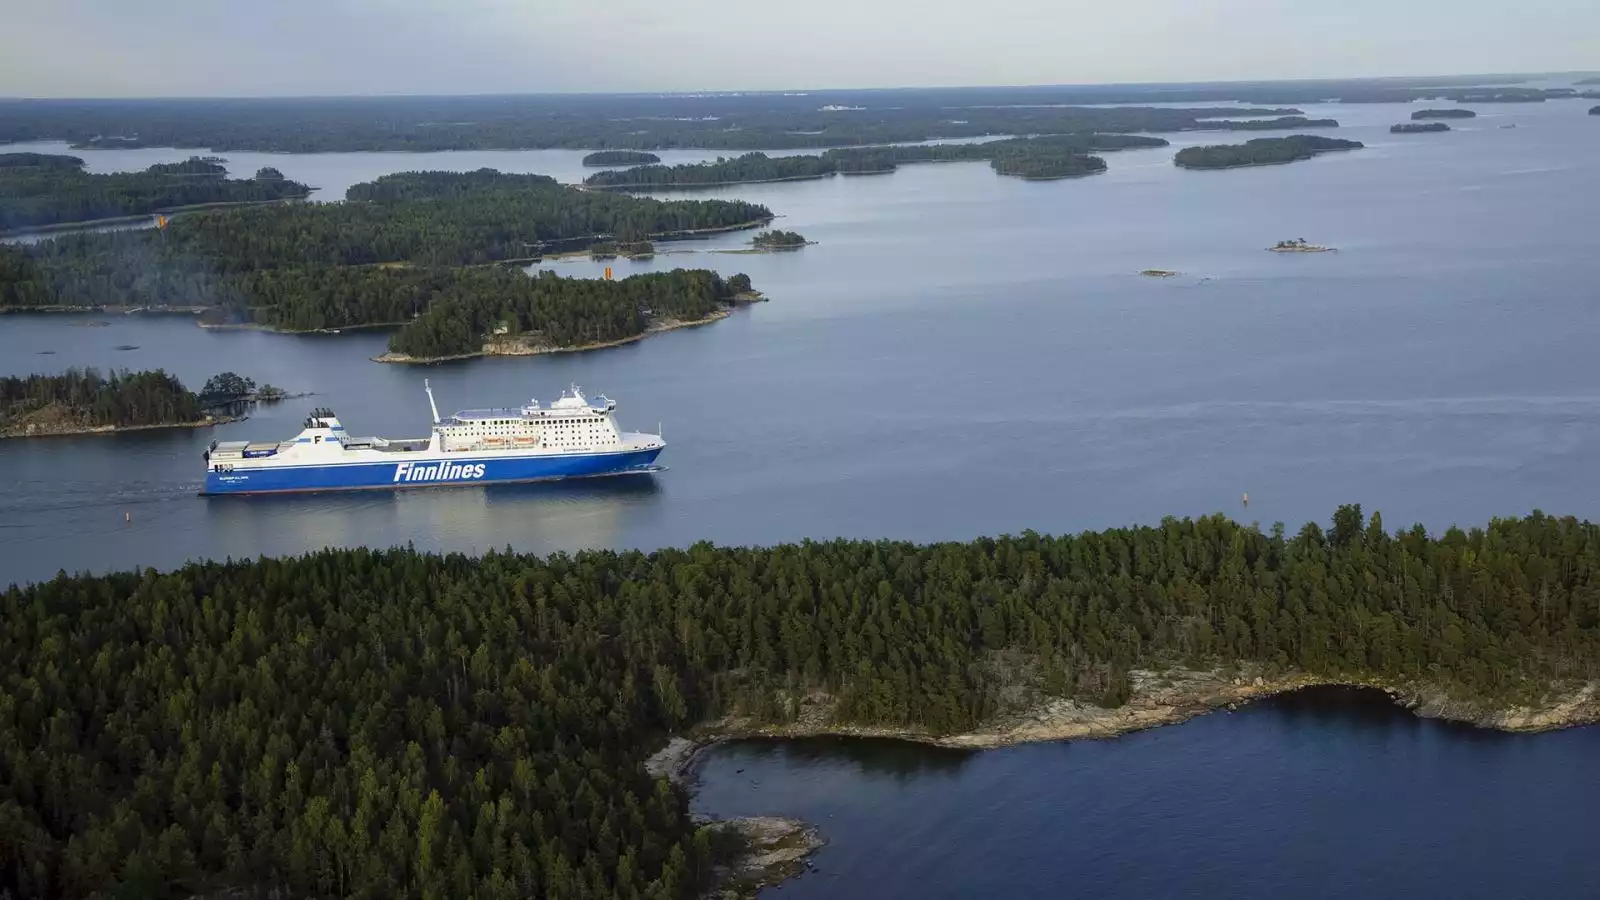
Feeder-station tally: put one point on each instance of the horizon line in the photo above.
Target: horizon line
(800, 91)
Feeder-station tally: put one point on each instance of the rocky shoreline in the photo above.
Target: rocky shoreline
(521, 347)
(1158, 698)
(774, 851)
(207, 422)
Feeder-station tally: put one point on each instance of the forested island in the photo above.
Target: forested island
(40, 190)
(778, 240)
(1064, 155)
(1260, 152)
(751, 168)
(878, 160)
(1594, 110)
(83, 401)
(1044, 162)
(1417, 127)
(498, 312)
(390, 723)
(1278, 124)
(400, 243)
(595, 122)
(1443, 114)
(620, 158)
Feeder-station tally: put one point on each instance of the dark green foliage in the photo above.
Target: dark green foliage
(1443, 114)
(282, 264)
(318, 297)
(442, 218)
(1417, 127)
(755, 167)
(551, 311)
(194, 165)
(36, 189)
(83, 398)
(1594, 110)
(227, 386)
(397, 724)
(23, 284)
(268, 173)
(1043, 158)
(778, 240)
(865, 160)
(741, 169)
(39, 161)
(1276, 124)
(620, 158)
(1260, 151)
(434, 185)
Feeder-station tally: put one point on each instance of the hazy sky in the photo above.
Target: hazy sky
(102, 48)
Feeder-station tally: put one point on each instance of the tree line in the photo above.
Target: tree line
(393, 723)
(1417, 127)
(39, 189)
(84, 398)
(1443, 114)
(749, 122)
(1067, 151)
(778, 239)
(1269, 124)
(1041, 161)
(751, 167)
(550, 311)
(320, 265)
(620, 158)
(1261, 151)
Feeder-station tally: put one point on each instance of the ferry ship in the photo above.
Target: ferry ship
(571, 438)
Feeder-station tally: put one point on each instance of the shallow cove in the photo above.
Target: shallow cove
(1327, 792)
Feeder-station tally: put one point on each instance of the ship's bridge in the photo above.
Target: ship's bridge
(322, 417)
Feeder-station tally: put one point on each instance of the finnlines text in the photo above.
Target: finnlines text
(437, 472)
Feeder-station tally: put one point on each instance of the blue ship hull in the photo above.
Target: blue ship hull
(408, 471)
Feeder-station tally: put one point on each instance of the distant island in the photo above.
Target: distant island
(882, 160)
(1297, 245)
(1417, 127)
(1045, 162)
(46, 191)
(82, 401)
(512, 314)
(1594, 110)
(620, 158)
(779, 240)
(1044, 157)
(737, 123)
(398, 246)
(1278, 124)
(1260, 152)
(1443, 114)
(1159, 273)
(750, 168)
